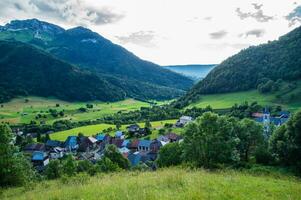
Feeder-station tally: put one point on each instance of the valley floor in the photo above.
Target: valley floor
(25, 109)
(172, 183)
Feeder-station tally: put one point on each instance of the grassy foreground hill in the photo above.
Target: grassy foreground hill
(169, 183)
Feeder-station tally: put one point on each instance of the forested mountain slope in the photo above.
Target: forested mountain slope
(253, 67)
(92, 52)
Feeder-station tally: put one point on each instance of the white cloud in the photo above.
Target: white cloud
(180, 30)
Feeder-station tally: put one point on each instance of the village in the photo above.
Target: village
(132, 144)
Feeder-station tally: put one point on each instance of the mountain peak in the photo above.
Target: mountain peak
(34, 25)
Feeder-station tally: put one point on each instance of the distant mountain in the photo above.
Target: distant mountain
(256, 66)
(195, 72)
(90, 51)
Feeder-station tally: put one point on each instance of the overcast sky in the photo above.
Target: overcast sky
(169, 31)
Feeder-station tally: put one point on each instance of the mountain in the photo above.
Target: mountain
(26, 70)
(255, 67)
(90, 51)
(196, 72)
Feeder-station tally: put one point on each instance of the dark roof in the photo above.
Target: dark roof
(172, 136)
(54, 143)
(34, 147)
(117, 142)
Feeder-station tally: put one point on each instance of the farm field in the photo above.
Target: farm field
(98, 128)
(25, 109)
(169, 183)
(227, 100)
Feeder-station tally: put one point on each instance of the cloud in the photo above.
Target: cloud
(295, 16)
(68, 11)
(218, 34)
(257, 15)
(142, 38)
(255, 32)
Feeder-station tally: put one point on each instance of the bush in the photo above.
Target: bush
(53, 170)
(106, 165)
(170, 154)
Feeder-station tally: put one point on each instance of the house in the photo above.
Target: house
(155, 146)
(133, 145)
(163, 138)
(144, 145)
(57, 152)
(183, 121)
(39, 159)
(71, 143)
(124, 151)
(87, 143)
(119, 134)
(53, 143)
(117, 142)
(31, 148)
(172, 137)
(126, 143)
(133, 129)
(266, 119)
(134, 158)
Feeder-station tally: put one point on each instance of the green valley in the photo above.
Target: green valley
(26, 109)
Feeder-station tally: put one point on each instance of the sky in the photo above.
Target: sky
(169, 32)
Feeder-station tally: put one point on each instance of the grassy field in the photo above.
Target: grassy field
(20, 111)
(163, 184)
(221, 101)
(98, 128)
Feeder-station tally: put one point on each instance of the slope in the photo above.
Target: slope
(253, 67)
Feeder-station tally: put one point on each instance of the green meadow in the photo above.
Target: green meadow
(172, 183)
(21, 111)
(98, 128)
(227, 100)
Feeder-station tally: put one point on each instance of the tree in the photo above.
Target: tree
(39, 137)
(106, 165)
(285, 143)
(250, 136)
(113, 154)
(170, 155)
(54, 169)
(84, 166)
(118, 125)
(211, 141)
(148, 127)
(69, 166)
(14, 167)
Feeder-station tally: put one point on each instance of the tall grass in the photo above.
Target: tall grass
(170, 183)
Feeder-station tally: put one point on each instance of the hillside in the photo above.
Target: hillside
(26, 70)
(90, 51)
(164, 184)
(195, 72)
(254, 66)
